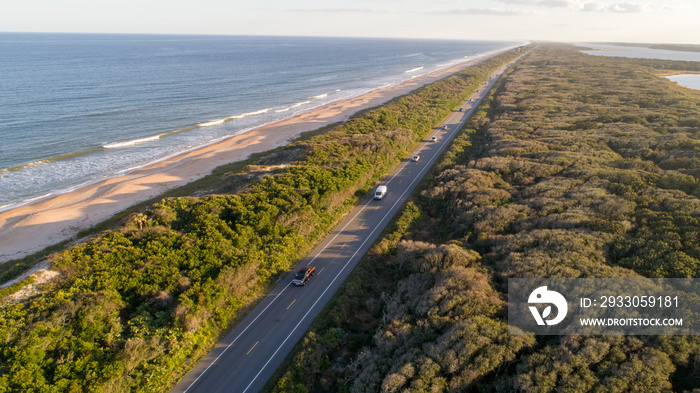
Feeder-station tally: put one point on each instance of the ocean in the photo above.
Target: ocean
(79, 108)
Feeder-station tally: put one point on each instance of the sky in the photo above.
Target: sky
(658, 21)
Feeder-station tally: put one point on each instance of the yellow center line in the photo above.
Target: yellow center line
(343, 245)
(290, 304)
(320, 271)
(256, 343)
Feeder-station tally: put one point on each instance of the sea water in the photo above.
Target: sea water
(688, 80)
(77, 108)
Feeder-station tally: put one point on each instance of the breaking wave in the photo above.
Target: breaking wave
(320, 96)
(133, 142)
(241, 116)
(298, 104)
(212, 123)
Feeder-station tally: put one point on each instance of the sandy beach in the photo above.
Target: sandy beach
(31, 228)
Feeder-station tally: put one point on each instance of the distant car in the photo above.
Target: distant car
(433, 139)
(444, 127)
(415, 158)
(471, 99)
(460, 109)
(304, 275)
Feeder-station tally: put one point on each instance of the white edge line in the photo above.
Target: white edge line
(235, 339)
(266, 307)
(421, 174)
(275, 298)
(339, 273)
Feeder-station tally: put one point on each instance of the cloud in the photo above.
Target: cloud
(579, 5)
(592, 6)
(624, 8)
(489, 11)
(544, 3)
(570, 26)
(628, 8)
(347, 11)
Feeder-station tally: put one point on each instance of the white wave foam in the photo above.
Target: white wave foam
(241, 116)
(117, 145)
(287, 109)
(260, 112)
(212, 123)
(414, 69)
(324, 95)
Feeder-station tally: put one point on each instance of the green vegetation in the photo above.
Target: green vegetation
(576, 166)
(9, 290)
(226, 179)
(136, 306)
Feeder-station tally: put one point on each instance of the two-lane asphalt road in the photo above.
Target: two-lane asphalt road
(248, 356)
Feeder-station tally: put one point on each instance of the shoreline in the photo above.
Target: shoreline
(60, 217)
(692, 83)
(86, 183)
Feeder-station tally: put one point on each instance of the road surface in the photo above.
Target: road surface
(247, 357)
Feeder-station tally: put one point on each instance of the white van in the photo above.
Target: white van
(380, 192)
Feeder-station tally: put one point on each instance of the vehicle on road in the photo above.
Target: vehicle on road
(380, 192)
(461, 110)
(304, 275)
(415, 158)
(433, 139)
(444, 127)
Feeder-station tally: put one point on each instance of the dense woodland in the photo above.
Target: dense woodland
(136, 306)
(576, 166)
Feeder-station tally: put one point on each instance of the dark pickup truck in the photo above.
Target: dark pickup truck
(304, 275)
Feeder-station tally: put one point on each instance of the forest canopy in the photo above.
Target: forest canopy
(576, 166)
